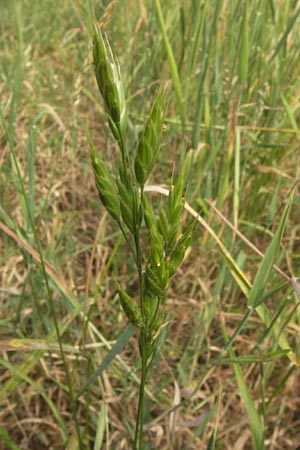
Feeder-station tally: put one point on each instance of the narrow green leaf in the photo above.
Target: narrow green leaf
(253, 415)
(263, 273)
(172, 63)
(254, 419)
(115, 350)
(212, 441)
(283, 40)
(244, 48)
(201, 428)
(100, 429)
(198, 21)
(249, 359)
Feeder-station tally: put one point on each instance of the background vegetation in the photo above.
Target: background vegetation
(233, 74)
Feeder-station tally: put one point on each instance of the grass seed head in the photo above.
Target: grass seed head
(110, 82)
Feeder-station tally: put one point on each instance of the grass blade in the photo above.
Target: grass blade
(201, 428)
(244, 48)
(253, 416)
(100, 428)
(172, 63)
(254, 420)
(212, 441)
(249, 359)
(285, 35)
(116, 349)
(263, 273)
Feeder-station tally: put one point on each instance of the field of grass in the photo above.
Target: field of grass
(226, 371)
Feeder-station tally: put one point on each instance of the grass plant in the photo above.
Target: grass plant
(123, 195)
(216, 362)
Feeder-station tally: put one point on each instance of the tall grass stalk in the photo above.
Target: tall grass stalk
(122, 193)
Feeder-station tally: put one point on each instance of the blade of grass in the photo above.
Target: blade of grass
(202, 427)
(19, 69)
(223, 189)
(281, 385)
(198, 22)
(100, 428)
(285, 35)
(253, 416)
(249, 359)
(254, 419)
(115, 350)
(244, 48)
(172, 64)
(30, 156)
(264, 270)
(208, 31)
(212, 441)
(237, 165)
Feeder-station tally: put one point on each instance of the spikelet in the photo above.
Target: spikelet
(131, 309)
(130, 204)
(110, 84)
(106, 186)
(149, 143)
(180, 248)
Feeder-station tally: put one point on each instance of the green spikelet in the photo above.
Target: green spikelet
(106, 186)
(110, 84)
(130, 204)
(151, 303)
(178, 252)
(149, 143)
(131, 310)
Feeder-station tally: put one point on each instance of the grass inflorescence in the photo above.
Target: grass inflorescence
(173, 302)
(122, 194)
